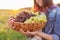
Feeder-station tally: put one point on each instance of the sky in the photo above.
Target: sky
(56, 1)
(17, 4)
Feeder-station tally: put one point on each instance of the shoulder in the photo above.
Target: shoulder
(55, 13)
(58, 11)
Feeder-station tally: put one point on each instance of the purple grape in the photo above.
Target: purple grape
(23, 16)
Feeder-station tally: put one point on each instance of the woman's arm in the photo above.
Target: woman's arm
(45, 36)
(41, 34)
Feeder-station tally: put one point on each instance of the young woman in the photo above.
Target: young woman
(52, 28)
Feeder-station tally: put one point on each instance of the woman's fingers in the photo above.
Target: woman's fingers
(25, 33)
(11, 21)
(11, 18)
(32, 33)
(21, 30)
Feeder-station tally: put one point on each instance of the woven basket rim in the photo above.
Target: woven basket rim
(32, 22)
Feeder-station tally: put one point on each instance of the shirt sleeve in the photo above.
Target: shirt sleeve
(56, 34)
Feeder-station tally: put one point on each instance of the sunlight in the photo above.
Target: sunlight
(17, 4)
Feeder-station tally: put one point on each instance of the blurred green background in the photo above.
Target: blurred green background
(6, 33)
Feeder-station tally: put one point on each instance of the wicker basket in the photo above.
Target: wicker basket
(29, 26)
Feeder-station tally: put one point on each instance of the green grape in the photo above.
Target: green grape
(39, 18)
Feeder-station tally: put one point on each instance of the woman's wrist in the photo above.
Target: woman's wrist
(44, 35)
(38, 33)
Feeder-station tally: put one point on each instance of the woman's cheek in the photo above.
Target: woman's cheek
(39, 2)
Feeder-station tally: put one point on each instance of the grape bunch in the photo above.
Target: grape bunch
(38, 18)
(23, 16)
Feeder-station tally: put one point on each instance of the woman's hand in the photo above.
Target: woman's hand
(32, 33)
(11, 21)
(25, 33)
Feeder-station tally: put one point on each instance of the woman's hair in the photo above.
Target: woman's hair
(46, 4)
